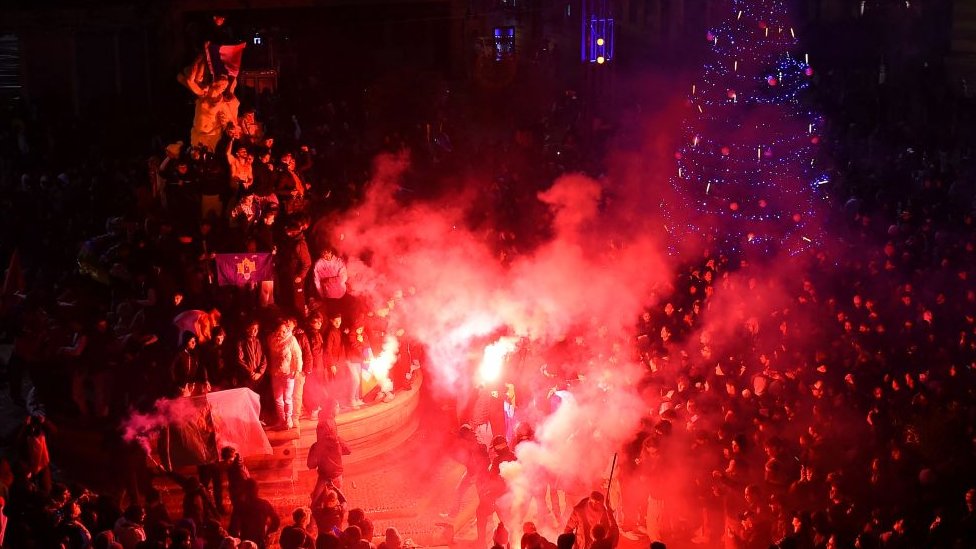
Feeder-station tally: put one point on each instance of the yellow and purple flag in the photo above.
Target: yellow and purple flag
(243, 269)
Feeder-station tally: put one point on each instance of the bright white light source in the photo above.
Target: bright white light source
(493, 359)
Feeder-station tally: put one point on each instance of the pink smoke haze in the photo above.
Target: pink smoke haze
(581, 290)
(165, 411)
(493, 359)
(380, 366)
(140, 428)
(447, 288)
(443, 284)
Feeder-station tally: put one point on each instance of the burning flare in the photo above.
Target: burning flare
(493, 359)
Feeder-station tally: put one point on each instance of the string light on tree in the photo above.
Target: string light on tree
(749, 103)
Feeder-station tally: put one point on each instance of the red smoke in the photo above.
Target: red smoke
(441, 282)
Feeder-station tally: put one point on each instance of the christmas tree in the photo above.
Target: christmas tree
(747, 170)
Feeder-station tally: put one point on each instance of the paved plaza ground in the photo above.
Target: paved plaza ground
(403, 481)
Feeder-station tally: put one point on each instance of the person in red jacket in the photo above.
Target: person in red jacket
(325, 456)
(335, 357)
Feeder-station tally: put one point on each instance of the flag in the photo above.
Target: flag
(196, 428)
(224, 59)
(243, 269)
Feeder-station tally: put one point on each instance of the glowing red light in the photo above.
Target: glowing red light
(726, 151)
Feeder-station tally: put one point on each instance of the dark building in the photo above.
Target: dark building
(83, 57)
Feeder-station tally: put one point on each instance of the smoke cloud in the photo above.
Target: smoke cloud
(144, 428)
(442, 282)
(572, 300)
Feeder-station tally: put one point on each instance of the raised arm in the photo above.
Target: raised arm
(230, 151)
(196, 75)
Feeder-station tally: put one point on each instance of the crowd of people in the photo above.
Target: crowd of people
(836, 416)
(136, 313)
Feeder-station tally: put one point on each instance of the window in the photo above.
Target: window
(598, 40)
(9, 65)
(504, 42)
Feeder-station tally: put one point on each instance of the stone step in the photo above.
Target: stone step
(370, 431)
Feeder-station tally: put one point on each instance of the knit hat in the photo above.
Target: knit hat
(393, 536)
(501, 535)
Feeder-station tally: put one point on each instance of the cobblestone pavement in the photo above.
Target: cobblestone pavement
(391, 491)
(407, 487)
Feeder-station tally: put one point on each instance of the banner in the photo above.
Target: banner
(243, 269)
(236, 420)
